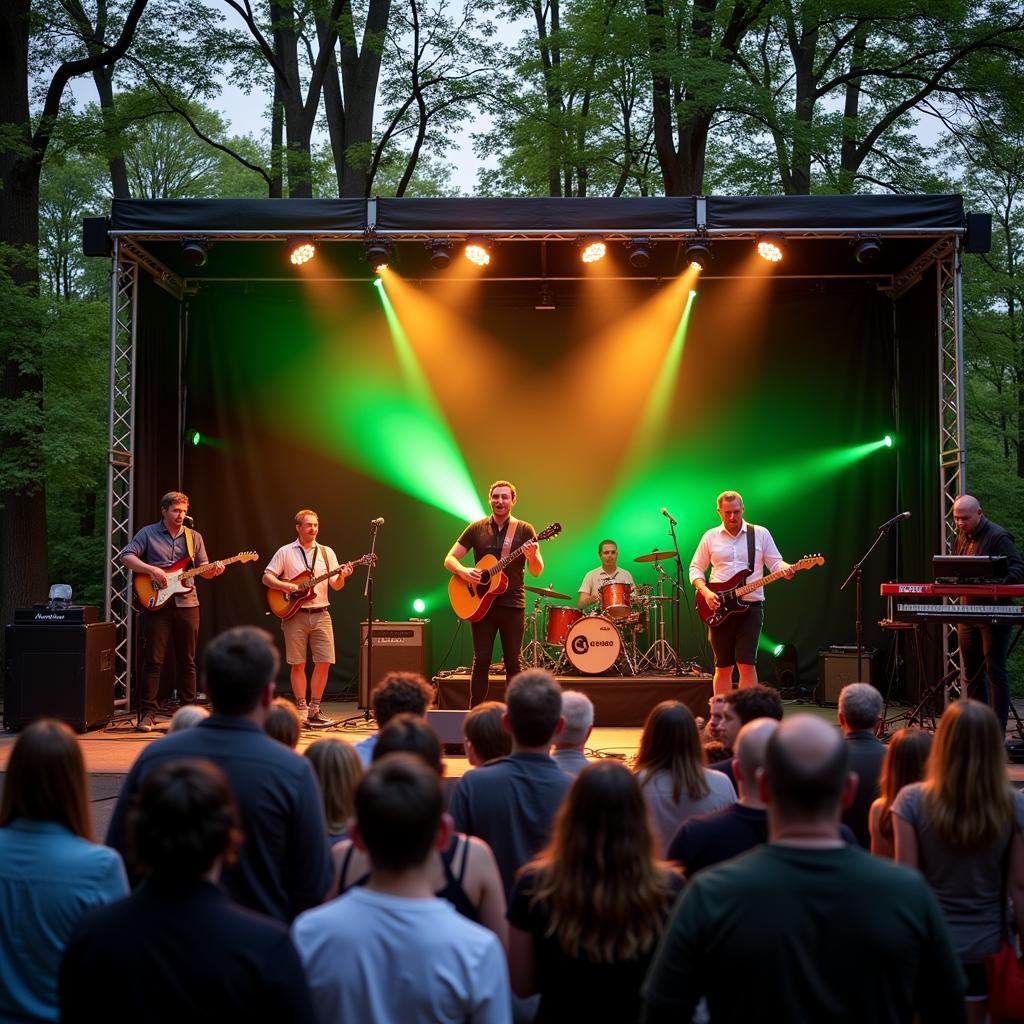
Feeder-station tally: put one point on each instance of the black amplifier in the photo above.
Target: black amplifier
(71, 615)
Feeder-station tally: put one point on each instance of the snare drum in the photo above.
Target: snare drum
(556, 625)
(593, 645)
(615, 600)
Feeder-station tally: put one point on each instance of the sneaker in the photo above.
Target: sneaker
(146, 723)
(318, 720)
(303, 711)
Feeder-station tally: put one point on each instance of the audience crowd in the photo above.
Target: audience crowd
(798, 873)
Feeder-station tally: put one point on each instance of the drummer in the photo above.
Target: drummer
(607, 572)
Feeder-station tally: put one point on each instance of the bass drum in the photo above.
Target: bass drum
(593, 645)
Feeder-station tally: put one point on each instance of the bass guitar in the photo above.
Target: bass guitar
(732, 590)
(472, 601)
(285, 605)
(153, 598)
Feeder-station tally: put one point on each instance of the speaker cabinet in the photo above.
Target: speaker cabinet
(979, 233)
(397, 647)
(63, 672)
(838, 668)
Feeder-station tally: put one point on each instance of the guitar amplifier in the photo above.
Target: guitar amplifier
(838, 666)
(397, 647)
(69, 615)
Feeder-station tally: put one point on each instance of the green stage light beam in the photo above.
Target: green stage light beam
(419, 606)
(766, 645)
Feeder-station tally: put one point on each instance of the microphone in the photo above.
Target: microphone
(189, 519)
(895, 519)
(379, 521)
(664, 512)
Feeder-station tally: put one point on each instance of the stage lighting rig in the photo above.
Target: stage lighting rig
(440, 250)
(867, 249)
(771, 248)
(639, 253)
(592, 249)
(194, 250)
(478, 251)
(378, 253)
(302, 251)
(698, 255)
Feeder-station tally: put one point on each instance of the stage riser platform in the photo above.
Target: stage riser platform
(618, 700)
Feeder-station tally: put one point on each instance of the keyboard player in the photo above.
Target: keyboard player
(984, 645)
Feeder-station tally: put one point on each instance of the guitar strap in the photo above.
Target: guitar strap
(311, 569)
(190, 544)
(750, 546)
(510, 536)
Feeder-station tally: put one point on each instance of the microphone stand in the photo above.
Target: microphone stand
(857, 572)
(680, 593)
(368, 594)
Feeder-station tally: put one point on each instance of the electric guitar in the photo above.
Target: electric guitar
(153, 598)
(285, 605)
(730, 591)
(472, 601)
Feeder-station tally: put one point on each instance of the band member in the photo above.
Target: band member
(506, 616)
(984, 646)
(727, 549)
(152, 550)
(310, 628)
(607, 572)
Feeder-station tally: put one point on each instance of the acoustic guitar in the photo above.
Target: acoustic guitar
(732, 590)
(153, 598)
(472, 601)
(285, 605)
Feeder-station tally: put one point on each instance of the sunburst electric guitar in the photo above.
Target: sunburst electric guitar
(285, 605)
(732, 590)
(472, 601)
(153, 598)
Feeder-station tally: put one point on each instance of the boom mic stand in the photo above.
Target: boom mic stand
(375, 525)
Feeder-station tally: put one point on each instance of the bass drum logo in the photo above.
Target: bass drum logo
(580, 644)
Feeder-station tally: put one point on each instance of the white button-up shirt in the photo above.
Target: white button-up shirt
(727, 555)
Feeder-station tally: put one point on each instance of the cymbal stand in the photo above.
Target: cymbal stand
(534, 654)
(660, 657)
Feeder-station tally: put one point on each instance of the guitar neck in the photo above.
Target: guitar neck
(187, 574)
(748, 588)
(327, 575)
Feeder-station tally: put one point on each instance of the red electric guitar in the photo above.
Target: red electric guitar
(153, 598)
(285, 605)
(730, 591)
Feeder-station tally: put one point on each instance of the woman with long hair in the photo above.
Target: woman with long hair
(962, 828)
(339, 770)
(904, 764)
(673, 772)
(587, 913)
(51, 870)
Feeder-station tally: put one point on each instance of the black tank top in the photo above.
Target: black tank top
(452, 891)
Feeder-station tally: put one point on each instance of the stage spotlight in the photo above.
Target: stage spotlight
(419, 606)
(478, 251)
(592, 249)
(194, 250)
(440, 250)
(867, 249)
(887, 440)
(771, 248)
(698, 255)
(639, 253)
(378, 253)
(785, 667)
(302, 251)
(193, 437)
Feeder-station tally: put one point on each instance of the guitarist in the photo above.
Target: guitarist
(497, 535)
(310, 627)
(730, 548)
(154, 548)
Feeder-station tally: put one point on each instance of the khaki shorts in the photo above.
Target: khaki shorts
(313, 629)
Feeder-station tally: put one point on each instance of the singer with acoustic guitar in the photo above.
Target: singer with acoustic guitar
(734, 548)
(309, 627)
(153, 552)
(498, 535)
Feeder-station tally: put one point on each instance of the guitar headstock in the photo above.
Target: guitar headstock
(247, 556)
(367, 559)
(549, 531)
(808, 561)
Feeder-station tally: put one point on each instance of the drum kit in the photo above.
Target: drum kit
(564, 638)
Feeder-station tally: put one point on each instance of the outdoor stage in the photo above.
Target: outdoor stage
(617, 700)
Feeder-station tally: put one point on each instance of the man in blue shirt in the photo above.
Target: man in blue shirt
(152, 551)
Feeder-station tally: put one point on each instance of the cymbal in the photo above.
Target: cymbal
(548, 592)
(656, 556)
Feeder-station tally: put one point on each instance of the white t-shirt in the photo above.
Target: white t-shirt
(597, 578)
(374, 957)
(293, 559)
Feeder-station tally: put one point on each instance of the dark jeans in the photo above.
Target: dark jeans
(170, 625)
(501, 620)
(983, 650)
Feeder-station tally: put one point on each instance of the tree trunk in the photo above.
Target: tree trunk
(103, 79)
(848, 162)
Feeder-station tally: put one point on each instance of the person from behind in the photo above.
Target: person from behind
(860, 712)
(391, 950)
(484, 736)
(398, 693)
(586, 914)
(187, 717)
(673, 776)
(904, 764)
(578, 712)
(183, 829)
(338, 769)
(800, 911)
(464, 873)
(511, 803)
(283, 723)
(51, 870)
(962, 828)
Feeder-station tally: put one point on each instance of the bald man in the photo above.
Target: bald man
(984, 646)
(823, 930)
